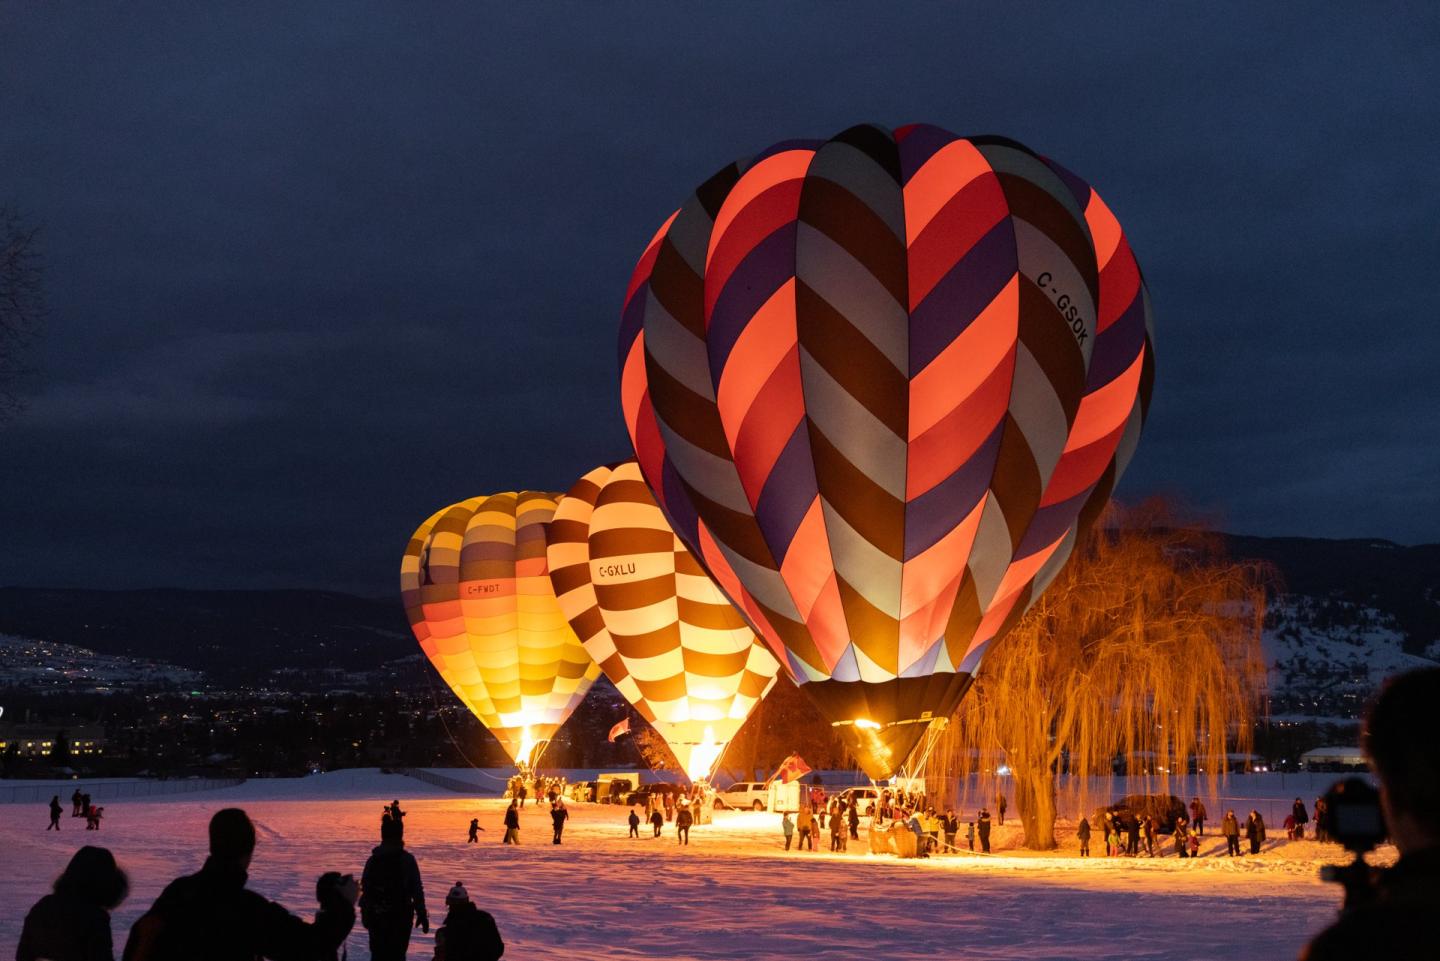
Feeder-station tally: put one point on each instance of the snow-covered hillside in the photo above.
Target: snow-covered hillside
(1327, 657)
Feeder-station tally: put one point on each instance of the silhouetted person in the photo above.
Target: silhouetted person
(393, 899)
(683, 820)
(55, 811)
(75, 802)
(982, 822)
(1398, 923)
(212, 915)
(512, 823)
(475, 830)
(73, 923)
(558, 816)
(468, 933)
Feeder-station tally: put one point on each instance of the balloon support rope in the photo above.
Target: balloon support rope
(440, 713)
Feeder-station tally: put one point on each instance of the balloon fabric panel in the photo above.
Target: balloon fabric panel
(650, 615)
(880, 385)
(476, 588)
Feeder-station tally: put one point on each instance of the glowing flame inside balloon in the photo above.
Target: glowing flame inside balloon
(703, 757)
(527, 748)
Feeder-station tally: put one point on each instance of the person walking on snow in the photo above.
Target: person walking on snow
(1297, 811)
(657, 821)
(55, 811)
(806, 823)
(1255, 831)
(634, 824)
(558, 816)
(787, 827)
(512, 823)
(393, 898)
(1230, 827)
(1082, 834)
(683, 820)
(475, 830)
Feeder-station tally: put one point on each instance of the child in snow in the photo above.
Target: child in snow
(787, 827)
(475, 830)
(970, 835)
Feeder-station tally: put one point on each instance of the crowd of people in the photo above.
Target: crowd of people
(212, 914)
(80, 806)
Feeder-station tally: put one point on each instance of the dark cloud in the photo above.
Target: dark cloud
(317, 270)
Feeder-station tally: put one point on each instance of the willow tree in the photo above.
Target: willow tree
(1146, 649)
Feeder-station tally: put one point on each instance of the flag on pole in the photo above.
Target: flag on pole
(622, 728)
(791, 769)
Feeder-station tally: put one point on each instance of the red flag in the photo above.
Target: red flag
(791, 769)
(622, 728)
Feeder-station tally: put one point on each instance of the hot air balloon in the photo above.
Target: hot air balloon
(652, 618)
(880, 385)
(476, 588)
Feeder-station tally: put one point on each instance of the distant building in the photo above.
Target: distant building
(38, 740)
(1332, 759)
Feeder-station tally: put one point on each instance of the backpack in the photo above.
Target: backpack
(386, 898)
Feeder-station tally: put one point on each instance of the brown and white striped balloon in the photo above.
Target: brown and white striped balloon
(651, 617)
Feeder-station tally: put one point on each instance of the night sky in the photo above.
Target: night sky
(318, 270)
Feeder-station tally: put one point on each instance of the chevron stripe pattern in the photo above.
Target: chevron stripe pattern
(476, 588)
(881, 384)
(651, 617)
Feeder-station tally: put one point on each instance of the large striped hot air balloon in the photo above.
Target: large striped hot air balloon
(653, 619)
(476, 588)
(881, 384)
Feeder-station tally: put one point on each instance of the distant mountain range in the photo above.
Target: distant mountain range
(1346, 613)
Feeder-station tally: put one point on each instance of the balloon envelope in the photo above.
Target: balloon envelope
(652, 618)
(476, 588)
(881, 384)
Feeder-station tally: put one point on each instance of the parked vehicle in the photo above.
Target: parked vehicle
(743, 795)
(864, 797)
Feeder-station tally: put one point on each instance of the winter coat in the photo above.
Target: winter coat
(656, 818)
(805, 821)
(1255, 829)
(468, 934)
(634, 820)
(391, 895)
(1230, 826)
(984, 822)
(684, 818)
(65, 928)
(1083, 831)
(951, 824)
(1298, 811)
(212, 915)
(558, 815)
(1197, 811)
(786, 825)
(512, 818)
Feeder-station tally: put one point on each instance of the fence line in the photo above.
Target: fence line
(440, 780)
(110, 791)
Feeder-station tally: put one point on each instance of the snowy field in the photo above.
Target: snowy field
(733, 893)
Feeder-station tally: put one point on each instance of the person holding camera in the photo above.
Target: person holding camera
(213, 915)
(1397, 920)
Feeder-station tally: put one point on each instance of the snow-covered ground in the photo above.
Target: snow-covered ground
(733, 893)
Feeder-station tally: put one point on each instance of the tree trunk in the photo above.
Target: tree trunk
(1035, 800)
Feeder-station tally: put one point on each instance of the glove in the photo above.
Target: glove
(422, 921)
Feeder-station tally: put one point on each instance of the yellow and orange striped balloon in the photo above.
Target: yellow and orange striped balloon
(476, 588)
(647, 612)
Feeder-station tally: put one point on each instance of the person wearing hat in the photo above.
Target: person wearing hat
(212, 915)
(73, 923)
(468, 933)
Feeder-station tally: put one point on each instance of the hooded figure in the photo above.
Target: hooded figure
(73, 923)
(393, 901)
(468, 933)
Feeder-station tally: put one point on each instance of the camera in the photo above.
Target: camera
(1354, 818)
